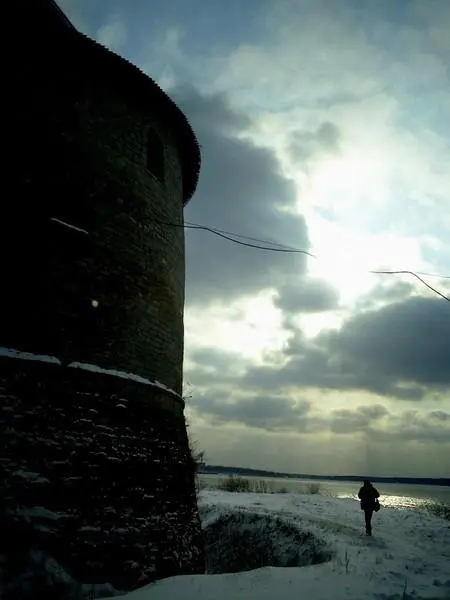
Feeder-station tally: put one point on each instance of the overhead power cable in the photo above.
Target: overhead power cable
(417, 276)
(238, 235)
(277, 247)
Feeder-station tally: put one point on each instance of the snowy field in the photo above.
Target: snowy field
(408, 556)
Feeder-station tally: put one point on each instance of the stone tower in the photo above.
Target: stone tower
(94, 452)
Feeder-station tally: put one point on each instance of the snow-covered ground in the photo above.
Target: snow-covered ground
(408, 556)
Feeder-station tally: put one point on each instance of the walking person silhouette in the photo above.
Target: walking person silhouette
(369, 503)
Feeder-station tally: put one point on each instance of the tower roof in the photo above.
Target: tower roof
(45, 22)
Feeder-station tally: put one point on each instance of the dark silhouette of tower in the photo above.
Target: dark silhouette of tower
(95, 457)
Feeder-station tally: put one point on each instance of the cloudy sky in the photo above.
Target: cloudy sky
(325, 127)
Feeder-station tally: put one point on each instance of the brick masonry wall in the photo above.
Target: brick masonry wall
(96, 475)
(86, 165)
(121, 477)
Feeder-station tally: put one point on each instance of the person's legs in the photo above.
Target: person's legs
(368, 517)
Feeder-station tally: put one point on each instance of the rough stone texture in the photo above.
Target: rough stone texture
(113, 297)
(89, 170)
(96, 475)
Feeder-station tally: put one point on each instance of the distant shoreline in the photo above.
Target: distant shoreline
(245, 472)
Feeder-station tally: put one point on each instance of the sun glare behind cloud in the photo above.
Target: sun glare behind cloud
(345, 257)
(249, 327)
(347, 182)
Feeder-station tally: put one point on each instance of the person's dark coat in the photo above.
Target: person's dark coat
(368, 494)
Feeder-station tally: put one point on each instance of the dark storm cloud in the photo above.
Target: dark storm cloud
(282, 413)
(359, 419)
(264, 412)
(215, 358)
(440, 415)
(314, 367)
(209, 366)
(373, 411)
(400, 350)
(384, 293)
(381, 425)
(261, 399)
(407, 341)
(306, 295)
(412, 425)
(201, 376)
(241, 190)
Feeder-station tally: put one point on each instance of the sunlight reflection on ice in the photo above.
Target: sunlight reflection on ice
(401, 502)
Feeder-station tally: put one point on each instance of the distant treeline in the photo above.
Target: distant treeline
(244, 472)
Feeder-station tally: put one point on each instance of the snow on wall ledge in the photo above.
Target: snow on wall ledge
(12, 353)
(97, 474)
